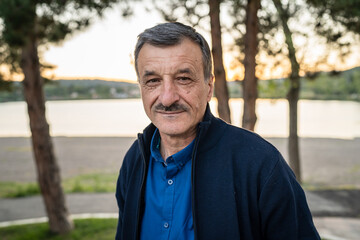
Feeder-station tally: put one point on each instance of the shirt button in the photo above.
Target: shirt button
(170, 181)
(166, 225)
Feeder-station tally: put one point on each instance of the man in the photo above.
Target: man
(191, 175)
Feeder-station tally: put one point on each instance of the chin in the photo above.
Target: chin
(172, 129)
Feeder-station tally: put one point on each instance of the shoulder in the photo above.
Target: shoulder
(245, 150)
(138, 151)
(133, 149)
(249, 140)
(221, 134)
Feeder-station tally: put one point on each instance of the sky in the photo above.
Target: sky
(105, 49)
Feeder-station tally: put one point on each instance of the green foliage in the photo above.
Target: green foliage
(5, 85)
(345, 13)
(276, 88)
(14, 95)
(77, 89)
(332, 20)
(19, 20)
(345, 86)
(235, 89)
(268, 36)
(89, 229)
(194, 13)
(325, 86)
(335, 20)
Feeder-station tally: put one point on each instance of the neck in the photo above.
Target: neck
(171, 145)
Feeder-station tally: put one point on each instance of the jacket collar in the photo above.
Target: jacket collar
(210, 131)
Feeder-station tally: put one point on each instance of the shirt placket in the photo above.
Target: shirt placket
(169, 198)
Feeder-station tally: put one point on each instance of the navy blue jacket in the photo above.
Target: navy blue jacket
(241, 187)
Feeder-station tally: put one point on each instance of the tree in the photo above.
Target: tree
(268, 23)
(338, 22)
(250, 92)
(334, 20)
(293, 94)
(195, 12)
(252, 28)
(221, 90)
(344, 13)
(28, 25)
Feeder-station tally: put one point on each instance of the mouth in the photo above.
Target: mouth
(171, 111)
(170, 114)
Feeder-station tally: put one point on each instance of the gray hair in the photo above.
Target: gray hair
(170, 34)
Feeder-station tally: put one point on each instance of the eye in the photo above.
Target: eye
(184, 79)
(152, 82)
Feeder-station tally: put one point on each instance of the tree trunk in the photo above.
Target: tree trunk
(293, 144)
(48, 172)
(221, 91)
(293, 94)
(250, 92)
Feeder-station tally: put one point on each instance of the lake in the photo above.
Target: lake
(126, 117)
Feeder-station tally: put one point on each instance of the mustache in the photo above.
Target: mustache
(172, 108)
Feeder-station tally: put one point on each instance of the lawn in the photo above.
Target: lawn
(85, 229)
(89, 229)
(90, 183)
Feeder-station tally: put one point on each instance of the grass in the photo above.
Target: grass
(89, 183)
(18, 149)
(89, 229)
(102, 182)
(319, 187)
(13, 189)
(85, 229)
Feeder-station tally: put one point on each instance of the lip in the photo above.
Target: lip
(170, 113)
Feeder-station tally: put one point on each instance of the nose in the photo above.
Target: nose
(169, 93)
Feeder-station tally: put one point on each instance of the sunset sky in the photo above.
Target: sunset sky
(105, 49)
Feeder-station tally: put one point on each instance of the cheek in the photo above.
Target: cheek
(149, 101)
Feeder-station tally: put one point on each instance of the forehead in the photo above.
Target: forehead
(185, 54)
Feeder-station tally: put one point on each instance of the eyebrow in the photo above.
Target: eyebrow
(148, 73)
(184, 70)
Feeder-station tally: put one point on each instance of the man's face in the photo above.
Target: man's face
(173, 89)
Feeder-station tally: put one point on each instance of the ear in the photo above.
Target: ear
(210, 84)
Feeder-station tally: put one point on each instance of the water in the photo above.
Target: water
(333, 119)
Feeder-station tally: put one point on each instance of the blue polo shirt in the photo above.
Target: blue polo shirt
(168, 212)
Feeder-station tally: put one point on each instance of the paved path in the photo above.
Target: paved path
(325, 163)
(31, 209)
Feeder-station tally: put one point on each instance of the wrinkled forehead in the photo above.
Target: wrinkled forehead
(186, 55)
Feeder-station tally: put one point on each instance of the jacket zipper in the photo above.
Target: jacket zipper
(193, 182)
(141, 147)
